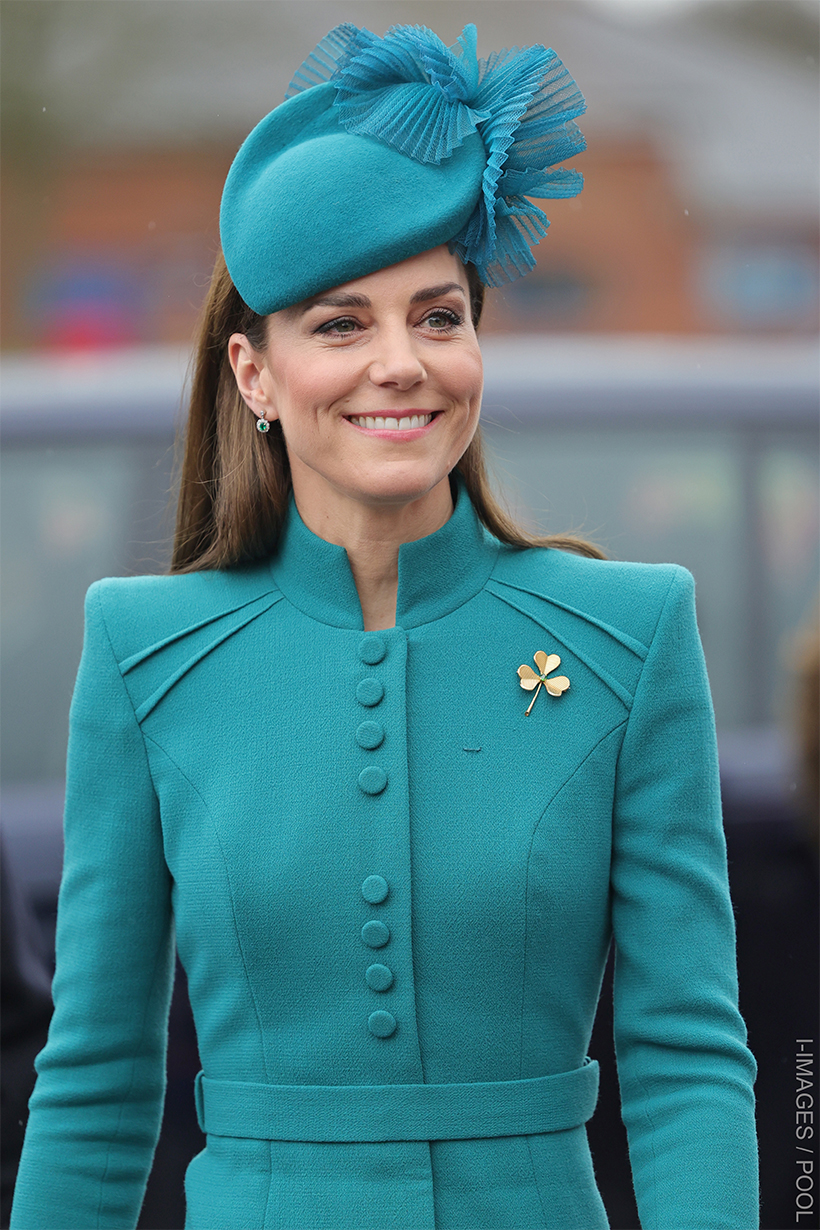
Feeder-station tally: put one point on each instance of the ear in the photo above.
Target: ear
(248, 369)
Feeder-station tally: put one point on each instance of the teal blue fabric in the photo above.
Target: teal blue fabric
(471, 1111)
(214, 796)
(307, 205)
(388, 147)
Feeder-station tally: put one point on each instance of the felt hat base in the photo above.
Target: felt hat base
(308, 205)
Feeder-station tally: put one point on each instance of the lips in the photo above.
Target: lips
(407, 422)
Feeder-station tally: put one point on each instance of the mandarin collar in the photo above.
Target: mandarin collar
(437, 574)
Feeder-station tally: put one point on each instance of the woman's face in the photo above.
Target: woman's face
(376, 383)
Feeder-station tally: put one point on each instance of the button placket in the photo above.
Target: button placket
(373, 779)
(370, 735)
(378, 977)
(376, 934)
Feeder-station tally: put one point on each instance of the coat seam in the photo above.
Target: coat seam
(138, 725)
(237, 932)
(536, 827)
(609, 682)
(142, 655)
(632, 644)
(127, 696)
(270, 1186)
(170, 682)
(650, 647)
(672, 585)
(536, 1184)
(159, 954)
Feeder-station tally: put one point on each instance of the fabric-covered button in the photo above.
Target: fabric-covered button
(381, 1023)
(378, 977)
(369, 692)
(375, 934)
(370, 735)
(375, 889)
(373, 780)
(372, 649)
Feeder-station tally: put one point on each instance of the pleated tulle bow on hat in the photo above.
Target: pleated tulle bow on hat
(413, 93)
(387, 147)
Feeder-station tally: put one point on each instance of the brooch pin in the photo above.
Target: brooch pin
(529, 679)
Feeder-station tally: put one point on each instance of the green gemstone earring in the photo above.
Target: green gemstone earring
(262, 425)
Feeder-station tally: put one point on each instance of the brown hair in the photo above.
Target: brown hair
(235, 482)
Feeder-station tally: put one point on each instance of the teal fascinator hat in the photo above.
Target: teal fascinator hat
(387, 147)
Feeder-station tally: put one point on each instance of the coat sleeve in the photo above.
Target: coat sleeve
(96, 1108)
(685, 1072)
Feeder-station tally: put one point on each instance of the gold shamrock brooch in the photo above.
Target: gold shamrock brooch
(529, 679)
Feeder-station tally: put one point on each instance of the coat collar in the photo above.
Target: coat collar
(437, 574)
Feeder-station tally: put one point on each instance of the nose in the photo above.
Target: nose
(396, 363)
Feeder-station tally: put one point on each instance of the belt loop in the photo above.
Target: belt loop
(200, 1108)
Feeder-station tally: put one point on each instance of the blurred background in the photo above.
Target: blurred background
(653, 384)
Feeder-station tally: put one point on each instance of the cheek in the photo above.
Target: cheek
(295, 394)
(308, 386)
(465, 378)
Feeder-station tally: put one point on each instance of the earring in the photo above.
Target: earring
(262, 425)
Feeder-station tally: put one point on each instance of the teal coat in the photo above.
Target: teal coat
(393, 894)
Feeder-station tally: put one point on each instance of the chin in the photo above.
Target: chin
(396, 489)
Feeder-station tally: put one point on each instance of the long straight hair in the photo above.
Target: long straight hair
(235, 482)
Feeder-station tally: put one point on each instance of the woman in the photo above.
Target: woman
(393, 875)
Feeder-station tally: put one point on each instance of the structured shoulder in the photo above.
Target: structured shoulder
(145, 610)
(625, 598)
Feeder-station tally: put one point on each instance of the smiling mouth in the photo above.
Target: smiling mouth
(377, 422)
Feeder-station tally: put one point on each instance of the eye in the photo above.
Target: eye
(442, 320)
(342, 325)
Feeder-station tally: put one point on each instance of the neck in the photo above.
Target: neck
(371, 534)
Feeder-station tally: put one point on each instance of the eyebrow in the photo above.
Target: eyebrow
(362, 301)
(436, 292)
(350, 301)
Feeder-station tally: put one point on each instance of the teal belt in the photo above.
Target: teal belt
(397, 1112)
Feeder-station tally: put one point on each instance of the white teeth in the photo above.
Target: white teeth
(390, 424)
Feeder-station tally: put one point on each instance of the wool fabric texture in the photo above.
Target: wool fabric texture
(388, 147)
(220, 730)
